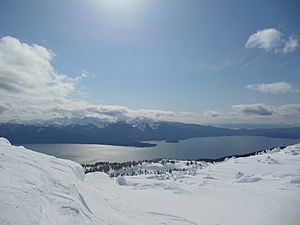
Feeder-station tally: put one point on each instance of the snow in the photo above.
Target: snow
(65, 121)
(143, 122)
(41, 189)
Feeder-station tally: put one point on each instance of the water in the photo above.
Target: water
(194, 148)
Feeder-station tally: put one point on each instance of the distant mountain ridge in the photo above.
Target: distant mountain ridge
(64, 121)
(134, 132)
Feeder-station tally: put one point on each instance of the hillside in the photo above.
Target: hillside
(41, 189)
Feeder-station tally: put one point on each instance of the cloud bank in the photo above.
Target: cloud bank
(31, 88)
(272, 39)
(273, 88)
(254, 109)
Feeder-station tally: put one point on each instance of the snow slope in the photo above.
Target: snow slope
(40, 189)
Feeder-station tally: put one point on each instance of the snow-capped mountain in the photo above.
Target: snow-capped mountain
(132, 132)
(64, 121)
(255, 190)
(139, 122)
(143, 123)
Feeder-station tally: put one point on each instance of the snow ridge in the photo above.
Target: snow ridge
(143, 123)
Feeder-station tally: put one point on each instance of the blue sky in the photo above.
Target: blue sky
(192, 59)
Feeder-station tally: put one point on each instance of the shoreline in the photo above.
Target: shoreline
(107, 167)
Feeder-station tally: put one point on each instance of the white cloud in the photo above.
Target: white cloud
(273, 88)
(266, 114)
(290, 45)
(257, 113)
(266, 39)
(185, 113)
(26, 69)
(211, 114)
(254, 109)
(2, 109)
(289, 110)
(30, 88)
(272, 39)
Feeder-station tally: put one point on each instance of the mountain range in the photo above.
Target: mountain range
(135, 132)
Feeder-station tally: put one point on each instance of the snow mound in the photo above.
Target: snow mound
(292, 150)
(40, 189)
(269, 160)
(4, 142)
(36, 188)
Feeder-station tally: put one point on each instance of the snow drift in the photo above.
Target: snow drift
(41, 189)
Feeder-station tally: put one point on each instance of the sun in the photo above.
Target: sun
(119, 6)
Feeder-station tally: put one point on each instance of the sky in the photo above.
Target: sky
(208, 62)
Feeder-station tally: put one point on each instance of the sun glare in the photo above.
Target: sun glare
(113, 7)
